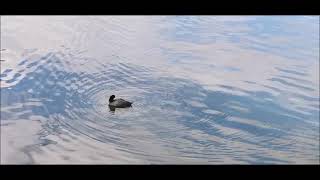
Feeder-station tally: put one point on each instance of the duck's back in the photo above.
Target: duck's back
(120, 103)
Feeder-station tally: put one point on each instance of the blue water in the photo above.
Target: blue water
(206, 89)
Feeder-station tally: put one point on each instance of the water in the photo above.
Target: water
(206, 89)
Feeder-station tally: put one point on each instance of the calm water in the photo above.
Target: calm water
(206, 89)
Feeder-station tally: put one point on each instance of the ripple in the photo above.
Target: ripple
(291, 84)
(242, 118)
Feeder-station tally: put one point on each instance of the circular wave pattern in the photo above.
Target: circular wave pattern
(172, 119)
(202, 103)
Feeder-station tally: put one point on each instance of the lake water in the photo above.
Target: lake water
(206, 89)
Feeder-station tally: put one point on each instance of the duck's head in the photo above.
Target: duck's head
(111, 98)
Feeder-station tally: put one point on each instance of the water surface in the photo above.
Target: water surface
(206, 89)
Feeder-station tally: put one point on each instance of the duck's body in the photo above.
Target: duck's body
(118, 103)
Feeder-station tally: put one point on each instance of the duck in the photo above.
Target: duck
(118, 103)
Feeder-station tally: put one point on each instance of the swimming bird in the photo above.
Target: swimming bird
(118, 103)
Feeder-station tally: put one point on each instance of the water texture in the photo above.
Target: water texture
(206, 89)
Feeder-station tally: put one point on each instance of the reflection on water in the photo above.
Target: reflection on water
(206, 89)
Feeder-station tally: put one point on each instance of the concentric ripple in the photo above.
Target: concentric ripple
(193, 102)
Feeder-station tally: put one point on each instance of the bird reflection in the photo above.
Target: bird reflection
(112, 109)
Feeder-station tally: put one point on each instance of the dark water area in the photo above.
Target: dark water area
(205, 89)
